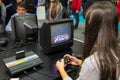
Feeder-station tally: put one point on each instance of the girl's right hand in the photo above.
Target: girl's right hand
(74, 60)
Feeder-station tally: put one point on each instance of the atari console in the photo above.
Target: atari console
(16, 64)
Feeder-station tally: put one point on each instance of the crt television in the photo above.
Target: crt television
(56, 35)
(24, 27)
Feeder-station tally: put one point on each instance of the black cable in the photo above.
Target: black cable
(25, 72)
(13, 47)
(21, 43)
(17, 45)
(2, 49)
(43, 73)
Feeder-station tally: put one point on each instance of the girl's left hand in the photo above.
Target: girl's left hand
(60, 64)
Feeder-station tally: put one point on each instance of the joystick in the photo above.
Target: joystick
(66, 59)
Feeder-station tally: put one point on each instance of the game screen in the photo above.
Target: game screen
(60, 33)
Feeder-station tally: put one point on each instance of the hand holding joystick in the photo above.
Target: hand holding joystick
(66, 59)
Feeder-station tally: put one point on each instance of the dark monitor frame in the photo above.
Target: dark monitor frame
(19, 32)
(45, 40)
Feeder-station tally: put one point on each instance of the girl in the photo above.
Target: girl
(101, 60)
(54, 10)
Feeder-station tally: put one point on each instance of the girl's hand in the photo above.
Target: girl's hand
(60, 64)
(74, 60)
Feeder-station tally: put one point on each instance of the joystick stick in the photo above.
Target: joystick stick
(66, 59)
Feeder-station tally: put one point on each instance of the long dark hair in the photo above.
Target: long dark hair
(54, 8)
(101, 34)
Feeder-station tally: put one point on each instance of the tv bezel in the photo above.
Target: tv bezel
(46, 41)
(23, 36)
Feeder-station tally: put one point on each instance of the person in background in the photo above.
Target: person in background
(31, 6)
(2, 17)
(101, 52)
(21, 9)
(10, 8)
(75, 7)
(118, 8)
(2, 12)
(41, 2)
(64, 3)
(17, 1)
(54, 10)
(87, 3)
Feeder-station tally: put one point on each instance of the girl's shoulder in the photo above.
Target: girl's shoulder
(92, 60)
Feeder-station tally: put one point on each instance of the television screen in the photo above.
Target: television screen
(60, 33)
(56, 35)
(24, 27)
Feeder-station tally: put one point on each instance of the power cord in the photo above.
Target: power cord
(25, 72)
(20, 44)
(13, 47)
(2, 49)
(23, 43)
(43, 73)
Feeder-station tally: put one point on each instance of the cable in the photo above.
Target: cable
(21, 43)
(43, 73)
(25, 72)
(2, 49)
